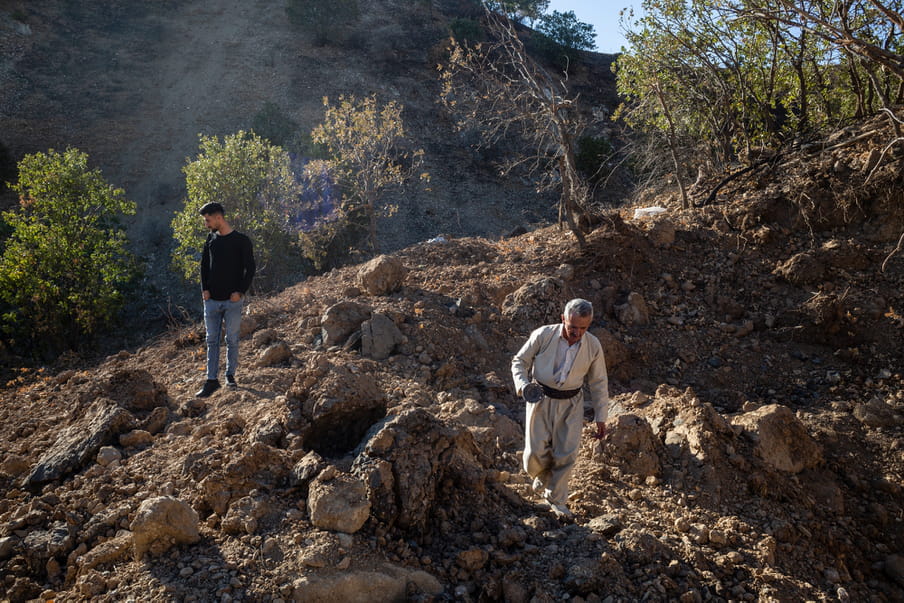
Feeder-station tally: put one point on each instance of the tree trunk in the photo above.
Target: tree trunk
(673, 147)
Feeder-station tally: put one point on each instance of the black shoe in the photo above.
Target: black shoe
(210, 386)
(230, 382)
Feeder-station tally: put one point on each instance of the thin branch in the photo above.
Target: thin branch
(894, 251)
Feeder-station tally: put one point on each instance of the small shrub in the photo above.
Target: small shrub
(331, 244)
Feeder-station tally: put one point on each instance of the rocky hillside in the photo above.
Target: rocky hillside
(133, 85)
(372, 449)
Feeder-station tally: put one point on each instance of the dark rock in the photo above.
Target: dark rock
(417, 450)
(341, 320)
(79, 443)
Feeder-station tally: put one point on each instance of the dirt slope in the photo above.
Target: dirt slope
(134, 85)
(754, 350)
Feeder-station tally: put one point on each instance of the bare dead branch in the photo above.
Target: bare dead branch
(499, 89)
(893, 252)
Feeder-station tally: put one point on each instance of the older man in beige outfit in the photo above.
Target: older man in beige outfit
(560, 358)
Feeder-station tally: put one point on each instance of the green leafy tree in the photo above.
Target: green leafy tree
(519, 10)
(715, 81)
(368, 155)
(327, 20)
(565, 29)
(253, 180)
(65, 265)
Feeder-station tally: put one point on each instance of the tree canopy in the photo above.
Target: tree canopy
(253, 179)
(500, 90)
(565, 29)
(713, 79)
(65, 267)
(368, 154)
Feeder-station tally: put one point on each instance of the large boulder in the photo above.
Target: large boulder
(341, 320)
(540, 301)
(406, 460)
(633, 446)
(339, 504)
(162, 522)
(387, 584)
(379, 337)
(382, 275)
(781, 440)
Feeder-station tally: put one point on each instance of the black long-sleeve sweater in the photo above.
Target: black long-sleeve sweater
(227, 265)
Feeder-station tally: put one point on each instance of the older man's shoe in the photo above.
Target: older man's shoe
(210, 386)
(559, 510)
(538, 487)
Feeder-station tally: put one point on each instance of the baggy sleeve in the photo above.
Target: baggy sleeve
(598, 383)
(523, 361)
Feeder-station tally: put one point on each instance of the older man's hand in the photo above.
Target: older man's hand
(600, 430)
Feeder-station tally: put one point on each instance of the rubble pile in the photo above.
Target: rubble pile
(372, 449)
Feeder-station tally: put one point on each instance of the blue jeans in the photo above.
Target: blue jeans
(222, 316)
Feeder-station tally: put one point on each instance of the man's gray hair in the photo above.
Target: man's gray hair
(579, 307)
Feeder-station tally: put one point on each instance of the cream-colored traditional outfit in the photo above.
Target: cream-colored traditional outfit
(552, 426)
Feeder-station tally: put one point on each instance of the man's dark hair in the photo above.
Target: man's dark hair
(212, 208)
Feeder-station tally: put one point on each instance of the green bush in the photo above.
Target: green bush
(253, 180)
(329, 21)
(333, 243)
(65, 265)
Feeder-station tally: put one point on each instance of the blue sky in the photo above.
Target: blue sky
(603, 15)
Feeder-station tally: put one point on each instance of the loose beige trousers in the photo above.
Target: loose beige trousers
(552, 439)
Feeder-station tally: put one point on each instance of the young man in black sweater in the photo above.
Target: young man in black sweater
(227, 267)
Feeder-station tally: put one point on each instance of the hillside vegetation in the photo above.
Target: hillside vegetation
(751, 318)
(134, 86)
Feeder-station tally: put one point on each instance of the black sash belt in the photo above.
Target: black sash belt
(560, 394)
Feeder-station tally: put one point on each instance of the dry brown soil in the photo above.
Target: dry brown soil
(785, 291)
